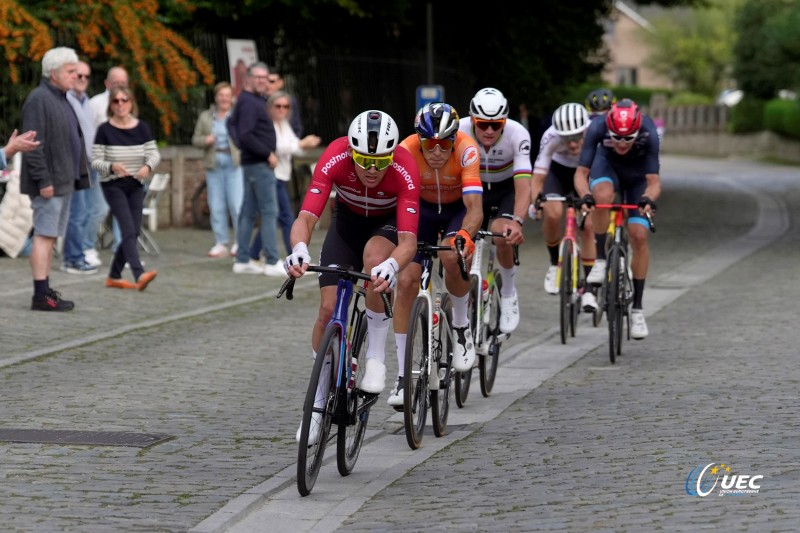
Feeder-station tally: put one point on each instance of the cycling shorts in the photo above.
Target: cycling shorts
(629, 183)
(431, 222)
(560, 180)
(498, 201)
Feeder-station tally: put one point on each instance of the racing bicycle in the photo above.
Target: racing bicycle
(338, 366)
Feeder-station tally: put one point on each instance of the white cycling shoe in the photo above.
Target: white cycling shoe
(313, 431)
(598, 272)
(550, 280)
(638, 325)
(464, 349)
(588, 302)
(509, 314)
(374, 379)
(396, 397)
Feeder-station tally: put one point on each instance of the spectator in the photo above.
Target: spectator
(116, 77)
(287, 145)
(88, 208)
(125, 154)
(224, 181)
(17, 143)
(16, 217)
(52, 171)
(277, 83)
(254, 133)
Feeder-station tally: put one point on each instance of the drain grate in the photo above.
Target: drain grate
(94, 438)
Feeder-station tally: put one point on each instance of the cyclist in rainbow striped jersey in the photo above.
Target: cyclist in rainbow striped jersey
(505, 152)
(621, 154)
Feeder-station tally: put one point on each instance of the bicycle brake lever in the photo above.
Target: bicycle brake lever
(288, 288)
(650, 220)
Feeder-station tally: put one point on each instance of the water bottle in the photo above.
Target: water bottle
(436, 308)
(353, 370)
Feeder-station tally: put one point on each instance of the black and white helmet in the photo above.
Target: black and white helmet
(489, 104)
(570, 119)
(374, 133)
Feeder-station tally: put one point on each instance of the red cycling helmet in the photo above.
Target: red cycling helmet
(624, 118)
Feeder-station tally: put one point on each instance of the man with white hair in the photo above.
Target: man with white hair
(54, 170)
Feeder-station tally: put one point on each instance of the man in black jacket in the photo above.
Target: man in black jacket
(54, 170)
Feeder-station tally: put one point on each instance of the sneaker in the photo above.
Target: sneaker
(219, 250)
(81, 267)
(51, 301)
(374, 379)
(588, 302)
(509, 314)
(550, 285)
(464, 350)
(396, 397)
(275, 270)
(234, 250)
(119, 283)
(598, 272)
(248, 268)
(145, 279)
(638, 325)
(313, 431)
(92, 257)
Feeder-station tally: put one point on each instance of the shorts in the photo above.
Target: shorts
(560, 180)
(431, 222)
(498, 201)
(51, 215)
(348, 235)
(629, 183)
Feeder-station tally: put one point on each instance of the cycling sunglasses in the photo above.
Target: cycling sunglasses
(429, 145)
(623, 138)
(572, 138)
(484, 125)
(379, 162)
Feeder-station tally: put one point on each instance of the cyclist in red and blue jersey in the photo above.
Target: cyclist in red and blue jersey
(505, 150)
(374, 225)
(621, 154)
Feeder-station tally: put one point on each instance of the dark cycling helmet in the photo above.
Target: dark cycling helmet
(624, 118)
(600, 101)
(373, 133)
(437, 120)
(489, 104)
(570, 119)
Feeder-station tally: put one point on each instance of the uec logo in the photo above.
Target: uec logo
(700, 484)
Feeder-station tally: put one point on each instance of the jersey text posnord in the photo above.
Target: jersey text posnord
(406, 176)
(332, 161)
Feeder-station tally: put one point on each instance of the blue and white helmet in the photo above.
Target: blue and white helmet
(436, 120)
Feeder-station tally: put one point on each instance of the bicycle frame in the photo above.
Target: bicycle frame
(486, 287)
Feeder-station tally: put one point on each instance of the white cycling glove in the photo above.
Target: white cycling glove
(388, 271)
(299, 255)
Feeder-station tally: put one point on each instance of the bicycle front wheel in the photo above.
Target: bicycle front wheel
(415, 393)
(317, 416)
(614, 304)
(440, 399)
(565, 290)
(350, 437)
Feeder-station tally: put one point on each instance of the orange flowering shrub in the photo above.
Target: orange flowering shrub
(127, 32)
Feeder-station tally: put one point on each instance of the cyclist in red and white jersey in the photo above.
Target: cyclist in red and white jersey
(553, 174)
(374, 225)
(505, 149)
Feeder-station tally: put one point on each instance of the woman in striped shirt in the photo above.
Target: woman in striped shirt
(124, 155)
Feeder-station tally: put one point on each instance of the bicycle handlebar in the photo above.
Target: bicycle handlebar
(352, 275)
(649, 215)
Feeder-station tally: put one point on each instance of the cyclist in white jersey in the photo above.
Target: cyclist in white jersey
(553, 173)
(505, 149)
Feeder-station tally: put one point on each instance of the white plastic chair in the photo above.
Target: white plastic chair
(157, 185)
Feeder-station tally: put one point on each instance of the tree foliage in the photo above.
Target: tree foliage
(694, 47)
(767, 51)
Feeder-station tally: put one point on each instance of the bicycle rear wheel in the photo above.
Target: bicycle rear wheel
(489, 362)
(318, 419)
(440, 399)
(565, 290)
(415, 394)
(350, 437)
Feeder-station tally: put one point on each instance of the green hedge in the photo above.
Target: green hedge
(783, 117)
(639, 95)
(747, 116)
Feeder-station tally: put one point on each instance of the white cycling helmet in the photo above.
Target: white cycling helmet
(570, 119)
(374, 133)
(489, 104)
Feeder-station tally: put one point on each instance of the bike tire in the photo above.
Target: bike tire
(350, 437)
(490, 362)
(309, 457)
(614, 309)
(577, 284)
(464, 379)
(565, 291)
(415, 393)
(440, 399)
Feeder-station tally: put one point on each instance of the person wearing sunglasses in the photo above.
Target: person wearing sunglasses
(553, 174)
(374, 225)
(505, 162)
(450, 202)
(621, 154)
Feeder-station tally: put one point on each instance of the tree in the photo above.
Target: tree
(124, 32)
(767, 51)
(694, 47)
